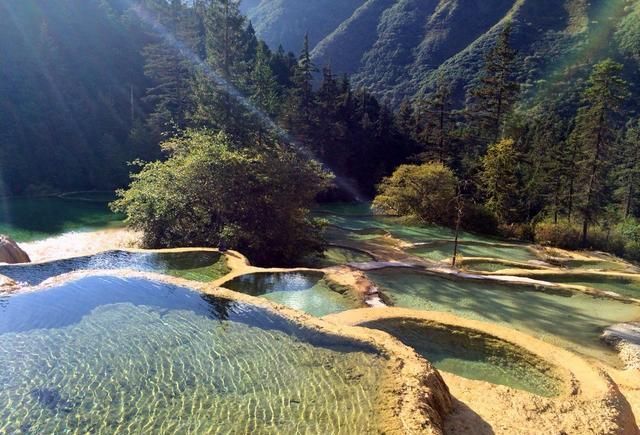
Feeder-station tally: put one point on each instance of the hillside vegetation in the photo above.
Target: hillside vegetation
(399, 48)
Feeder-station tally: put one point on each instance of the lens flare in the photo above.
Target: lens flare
(233, 92)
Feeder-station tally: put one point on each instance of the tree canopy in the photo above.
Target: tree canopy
(210, 193)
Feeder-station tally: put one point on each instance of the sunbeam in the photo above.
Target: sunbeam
(232, 91)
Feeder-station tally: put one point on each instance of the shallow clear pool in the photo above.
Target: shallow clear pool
(620, 285)
(473, 355)
(439, 251)
(110, 355)
(337, 256)
(27, 219)
(194, 265)
(567, 319)
(358, 219)
(304, 291)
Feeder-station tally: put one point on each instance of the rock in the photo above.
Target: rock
(625, 337)
(6, 283)
(11, 253)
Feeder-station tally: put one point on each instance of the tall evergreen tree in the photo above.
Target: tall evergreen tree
(300, 108)
(331, 136)
(493, 97)
(594, 135)
(218, 90)
(170, 72)
(629, 171)
(435, 120)
(265, 92)
(501, 181)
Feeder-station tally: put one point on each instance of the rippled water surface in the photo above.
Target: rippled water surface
(473, 355)
(193, 265)
(567, 319)
(304, 291)
(109, 355)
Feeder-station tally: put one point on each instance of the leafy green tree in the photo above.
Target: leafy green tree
(500, 180)
(210, 193)
(594, 136)
(426, 192)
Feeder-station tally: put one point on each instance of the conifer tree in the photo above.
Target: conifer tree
(594, 136)
(332, 133)
(169, 71)
(629, 171)
(500, 180)
(265, 92)
(218, 90)
(300, 108)
(493, 97)
(435, 124)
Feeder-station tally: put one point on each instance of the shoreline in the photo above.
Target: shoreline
(80, 243)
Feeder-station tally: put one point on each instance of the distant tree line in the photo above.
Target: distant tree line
(250, 138)
(91, 85)
(557, 171)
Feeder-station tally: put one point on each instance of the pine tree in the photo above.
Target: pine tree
(300, 113)
(493, 97)
(265, 92)
(629, 172)
(218, 90)
(435, 121)
(501, 182)
(594, 136)
(171, 73)
(332, 131)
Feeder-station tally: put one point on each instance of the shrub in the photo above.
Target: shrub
(479, 219)
(561, 235)
(210, 194)
(425, 192)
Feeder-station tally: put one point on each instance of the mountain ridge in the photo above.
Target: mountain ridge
(399, 48)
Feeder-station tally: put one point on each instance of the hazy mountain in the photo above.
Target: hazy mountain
(398, 47)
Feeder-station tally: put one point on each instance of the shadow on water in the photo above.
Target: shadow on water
(473, 355)
(574, 317)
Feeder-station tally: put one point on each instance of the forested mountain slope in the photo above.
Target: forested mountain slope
(68, 70)
(399, 47)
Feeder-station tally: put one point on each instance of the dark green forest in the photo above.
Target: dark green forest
(89, 86)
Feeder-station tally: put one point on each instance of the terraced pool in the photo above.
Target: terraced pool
(304, 291)
(112, 355)
(439, 251)
(194, 265)
(621, 285)
(472, 355)
(568, 319)
(337, 256)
